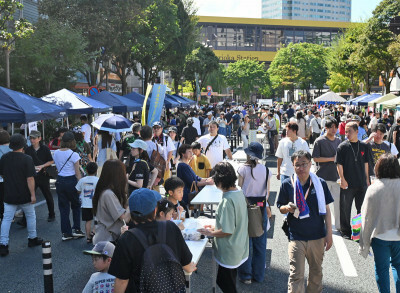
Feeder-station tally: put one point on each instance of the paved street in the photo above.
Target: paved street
(21, 271)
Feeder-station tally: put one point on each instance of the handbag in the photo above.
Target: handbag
(51, 171)
(255, 227)
(193, 191)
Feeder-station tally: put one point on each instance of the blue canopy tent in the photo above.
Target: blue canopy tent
(168, 101)
(189, 102)
(74, 103)
(120, 104)
(364, 101)
(16, 107)
(351, 101)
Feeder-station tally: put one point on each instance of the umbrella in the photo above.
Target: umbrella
(112, 123)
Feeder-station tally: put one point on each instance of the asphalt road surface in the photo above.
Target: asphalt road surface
(21, 271)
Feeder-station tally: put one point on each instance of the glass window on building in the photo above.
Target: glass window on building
(268, 40)
(221, 36)
(249, 39)
(240, 37)
(288, 35)
(280, 39)
(231, 38)
(308, 37)
(298, 36)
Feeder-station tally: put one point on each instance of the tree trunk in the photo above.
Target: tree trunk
(367, 83)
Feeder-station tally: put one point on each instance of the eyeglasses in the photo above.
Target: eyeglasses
(156, 127)
(299, 166)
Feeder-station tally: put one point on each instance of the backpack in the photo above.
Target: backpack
(158, 162)
(160, 270)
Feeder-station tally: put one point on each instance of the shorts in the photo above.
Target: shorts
(87, 214)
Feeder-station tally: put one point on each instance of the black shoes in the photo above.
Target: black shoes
(51, 218)
(3, 250)
(77, 233)
(32, 242)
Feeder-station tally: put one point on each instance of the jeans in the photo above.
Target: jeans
(68, 198)
(222, 131)
(346, 201)
(254, 266)
(9, 211)
(1, 199)
(228, 130)
(283, 177)
(386, 253)
(43, 182)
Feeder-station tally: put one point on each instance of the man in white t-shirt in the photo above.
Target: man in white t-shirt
(196, 122)
(215, 151)
(315, 124)
(286, 148)
(86, 129)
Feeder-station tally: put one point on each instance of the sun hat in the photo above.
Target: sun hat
(105, 248)
(255, 149)
(138, 144)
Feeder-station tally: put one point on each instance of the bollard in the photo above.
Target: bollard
(47, 267)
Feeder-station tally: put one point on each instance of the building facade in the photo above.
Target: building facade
(234, 39)
(322, 10)
(30, 12)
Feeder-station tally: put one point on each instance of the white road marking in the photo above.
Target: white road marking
(343, 254)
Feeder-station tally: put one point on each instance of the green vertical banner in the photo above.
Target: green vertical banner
(156, 103)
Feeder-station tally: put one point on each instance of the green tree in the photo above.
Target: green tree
(244, 76)
(156, 27)
(11, 30)
(344, 57)
(184, 43)
(201, 60)
(379, 45)
(302, 65)
(216, 80)
(49, 59)
(94, 19)
(338, 82)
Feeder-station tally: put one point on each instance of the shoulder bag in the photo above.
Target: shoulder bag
(66, 162)
(158, 162)
(210, 143)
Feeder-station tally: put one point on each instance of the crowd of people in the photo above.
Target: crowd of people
(112, 182)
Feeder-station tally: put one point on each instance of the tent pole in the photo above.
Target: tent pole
(67, 123)
(12, 128)
(26, 130)
(43, 137)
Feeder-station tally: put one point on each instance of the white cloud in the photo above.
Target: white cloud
(229, 8)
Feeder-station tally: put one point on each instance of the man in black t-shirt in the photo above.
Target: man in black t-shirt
(18, 172)
(42, 159)
(127, 259)
(189, 133)
(352, 159)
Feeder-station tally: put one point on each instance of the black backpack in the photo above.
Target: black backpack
(161, 272)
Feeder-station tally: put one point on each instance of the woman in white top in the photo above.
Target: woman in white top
(222, 124)
(254, 180)
(302, 125)
(105, 148)
(245, 127)
(380, 222)
(67, 163)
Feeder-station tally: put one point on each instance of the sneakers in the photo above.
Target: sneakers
(66, 236)
(51, 219)
(3, 250)
(34, 241)
(77, 233)
(247, 282)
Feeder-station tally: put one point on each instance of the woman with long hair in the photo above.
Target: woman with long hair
(302, 125)
(254, 180)
(141, 173)
(105, 148)
(83, 149)
(110, 203)
(380, 222)
(67, 163)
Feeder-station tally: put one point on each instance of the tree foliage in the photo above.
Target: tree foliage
(201, 60)
(301, 65)
(49, 59)
(338, 82)
(244, 76)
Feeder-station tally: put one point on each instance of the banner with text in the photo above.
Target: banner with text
(156, 103)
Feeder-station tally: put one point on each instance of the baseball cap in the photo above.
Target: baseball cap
(209, 113)
(173, 128)
(35, 134)
(356, 118)
(68, 136)
(139, 144)
(17, 141)
(105, 248)
(143, 201)
(157, 123)
(190, 120)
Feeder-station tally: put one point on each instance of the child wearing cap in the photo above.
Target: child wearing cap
(101, 281)
(86, 187)
(199, 162)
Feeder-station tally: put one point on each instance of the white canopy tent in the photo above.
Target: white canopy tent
(330, 97)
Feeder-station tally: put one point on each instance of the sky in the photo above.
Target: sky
(361, 9)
